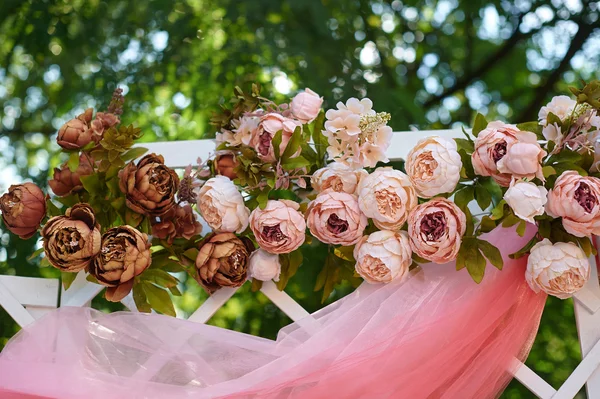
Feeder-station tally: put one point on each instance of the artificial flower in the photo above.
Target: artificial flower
(66, 182)
(306, 105)
(23, 208)
(278, 228)
(338, 177)
(264, 266)
(383, 256)
(561, 106)
(179, 222)
(268, 126)
(83, 130)
(225, 164)
(526, 199)
(222, 206)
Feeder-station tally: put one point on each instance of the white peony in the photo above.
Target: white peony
(526, 199)
(264, 266)
(338, 177)
(561, 106)
(222, 206)
(560, 269)
(383, 256)
(553, 132)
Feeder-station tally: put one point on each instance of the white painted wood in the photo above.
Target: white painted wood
(212, 304)
(534, 382)
(14, 308)
(81, 292)
(580, 375)
(32, 291)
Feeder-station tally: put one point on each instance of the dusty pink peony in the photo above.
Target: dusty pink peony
(386, 196)
(383, 256)
(222, 206)
(560, 269)
(264, 266)
(526, 199)
(279, 228)
(576, 199)
(306, 105)
(502, 151)
(335, 218)
(338, 177)
(263, 135)
(433, 166)
(435, 229)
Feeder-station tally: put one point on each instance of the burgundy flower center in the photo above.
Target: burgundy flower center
(433, 225)
(499, 151)
(585, 197)
(264, 143)
(336, 225)
(272, 234)
(68, 240)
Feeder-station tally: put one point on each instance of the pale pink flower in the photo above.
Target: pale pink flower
(553, 132)
(338, 177)
(306, 105)
(435, 229)
(559, 269)
(335, 218)
(263, 135)
(561, 106)
(279, 228)
(222, 206)
(264, 266)
(371, 154)
(246, 128)
(523, 159)
(344, 126)
(526, 199)
(383, 256)
(576, 199)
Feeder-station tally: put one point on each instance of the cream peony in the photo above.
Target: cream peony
(306, 105)
(560, 269)
(386, 196)
(279, 228)
(383, 256)
(526, 199)
(561, 106)
(433, 166)
(576, 199)
(553, 132)
(502, 151)
(222, 206)
(264, 266)
(335, 218)
(338, 177)
(435, 229)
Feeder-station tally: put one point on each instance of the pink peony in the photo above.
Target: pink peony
(306, 105)
(335, 218)
(279, 228)
(383, 256)
(576, 199)
(338, 177)
(268, 126)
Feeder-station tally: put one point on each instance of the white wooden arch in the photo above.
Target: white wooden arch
(27, 298)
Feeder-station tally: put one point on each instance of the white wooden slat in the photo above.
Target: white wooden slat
(81, 291)
(580, 375)
(32, 291)
(290, 307)
(39, 311)
(534, 382)
(129, 303)
(212, 304)
(14, 308)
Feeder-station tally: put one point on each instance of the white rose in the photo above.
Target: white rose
(526, 199)
(386, 196)
(383, 256)
(561, 106)
(264, 266)
(560, 269)
(433, 166)
(222, 206)
(338, 177)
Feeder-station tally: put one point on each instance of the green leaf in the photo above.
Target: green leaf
(551, 119)
(479, 124)
(498, 211)
(159, 277)
(295, 163)
(133, 218)
(521, 252)
(548, 171)
(475, 263)
(533, 127)
(487, 224)
(276, 143)
(35, 254)
(73, 162)
(467, 171)
(308, 153)
(133, 154)
(67, 279)
(92, 184)
(319, 140)
(293, 145)
(483, 197)
(140, 299)
(345, 253)
(51, 209)
(175, 291)
(491, 253)
(510, 220)
(493, 188)
(289, 266)
(521, 228)
(191, 253)
(463, 197)
(159, 299)
(91, 279)
(464, 144)
(256, 285)
(262, 199)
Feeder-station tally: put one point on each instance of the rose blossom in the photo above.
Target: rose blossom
(433, 166)
(73, 240)
(386, 196)
(125, 254)
(225, 164)
(560, 269)
(338, 177)
(335, 218)
(66, 182)
(80, 131)
(306, 105)
(435, 229)
(279, 228)
(576, 199)
(222, 261)
(264, 266)
(23, 208)
(383, 256)
(222, 206)
(526, 199)
(561, 106)
(502, 151)
(269, 125)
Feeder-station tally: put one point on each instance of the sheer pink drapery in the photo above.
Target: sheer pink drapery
(435, 335)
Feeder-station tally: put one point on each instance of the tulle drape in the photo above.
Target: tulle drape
(436, 335)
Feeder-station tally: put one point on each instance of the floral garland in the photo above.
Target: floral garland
(269, 193)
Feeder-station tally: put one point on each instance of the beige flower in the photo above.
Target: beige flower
(435, 229)
(576, 199)
(383, 256)
(264, 266)
(560, 269)
(433, 166)
(335, 218)
(337, 176)
(23, 209)
(526, 199)
(386, 196)
(561, 106)
(83, 130)
(279, 228)
(66, 182)
(222, 206)
(306, 105)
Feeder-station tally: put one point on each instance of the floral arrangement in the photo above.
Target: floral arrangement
(287, 177)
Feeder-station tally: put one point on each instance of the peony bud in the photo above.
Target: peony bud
(526, 199)
(306, 105)
(225, 164)
(23, 209)
(264, 266)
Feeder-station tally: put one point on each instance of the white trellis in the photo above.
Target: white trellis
(28, 298)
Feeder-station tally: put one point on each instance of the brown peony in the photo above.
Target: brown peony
(125, 253)
(23, 209)
(179, 222)
(73, 240)
(66, 182)
(225, 164)
(222, 261)
(80, 131)
(150, 186)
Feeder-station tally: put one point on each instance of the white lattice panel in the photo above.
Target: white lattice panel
(27, 299)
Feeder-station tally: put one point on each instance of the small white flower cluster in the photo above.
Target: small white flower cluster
(357, 135)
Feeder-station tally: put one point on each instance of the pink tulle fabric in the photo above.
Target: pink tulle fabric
(435, 335)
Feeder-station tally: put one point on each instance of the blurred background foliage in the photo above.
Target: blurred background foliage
(430, 63)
